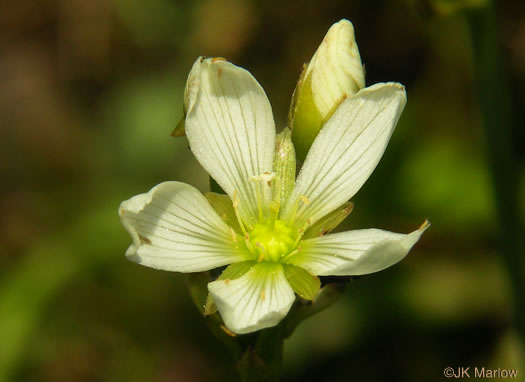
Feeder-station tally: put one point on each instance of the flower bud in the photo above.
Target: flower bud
(334, 73)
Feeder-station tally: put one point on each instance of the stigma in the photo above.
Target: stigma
(272, 242)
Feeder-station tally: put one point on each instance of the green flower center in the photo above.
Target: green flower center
(271, 243)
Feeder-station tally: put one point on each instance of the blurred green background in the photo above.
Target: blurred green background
(90, 91)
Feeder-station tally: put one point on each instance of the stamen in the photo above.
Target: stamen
(265, 177)
(294, 252)
(263, 255)
(248, 242)
(274, 212)
(234, 235)
(301, 198)
(268, 177)
(301, 232)
(259, 200)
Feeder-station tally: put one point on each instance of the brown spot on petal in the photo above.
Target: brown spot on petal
(263, 296)
(144, 240)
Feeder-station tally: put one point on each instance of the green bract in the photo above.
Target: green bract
(270, 228)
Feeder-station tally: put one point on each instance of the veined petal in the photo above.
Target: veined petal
(355, 252)
(232, 272)
(257, 300)
(230, 129)
(175, 229)
(345, 152)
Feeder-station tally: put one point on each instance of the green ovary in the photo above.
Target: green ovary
(271, 243)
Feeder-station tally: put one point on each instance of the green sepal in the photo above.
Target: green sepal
(302, 282)
(305, 119)
(222, 204)
(232, 272)
(329, 222)
(209, 307)
(198, 287)
(180, 130)
(283, 167)
(295, 96)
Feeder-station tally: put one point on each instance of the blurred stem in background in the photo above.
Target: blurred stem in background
(496, 108)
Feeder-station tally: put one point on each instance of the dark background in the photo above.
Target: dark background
(90, 91)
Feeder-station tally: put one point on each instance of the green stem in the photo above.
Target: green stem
(262, 359)
(498, 121)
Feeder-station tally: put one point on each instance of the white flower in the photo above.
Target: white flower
(266, 229)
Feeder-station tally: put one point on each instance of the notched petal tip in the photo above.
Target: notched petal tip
(131, 207)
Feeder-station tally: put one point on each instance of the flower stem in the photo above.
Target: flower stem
(262, 359)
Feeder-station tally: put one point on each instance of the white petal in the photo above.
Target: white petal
(175, 229)
(230, 129)
(259, 299)
(346, 151)
(355, 252)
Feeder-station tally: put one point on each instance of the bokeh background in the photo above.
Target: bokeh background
(90, 91)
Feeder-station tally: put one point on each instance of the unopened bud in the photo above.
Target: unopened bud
(334, 73)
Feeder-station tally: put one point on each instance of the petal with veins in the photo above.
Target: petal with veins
(257, 300)
(345, 152)
(175, 229)
(355, 252)
(230, 129)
